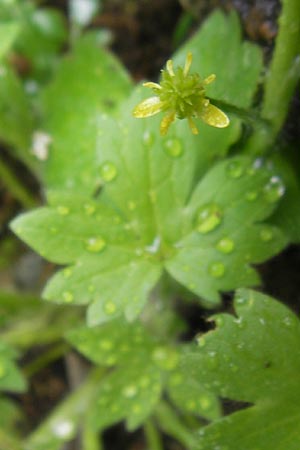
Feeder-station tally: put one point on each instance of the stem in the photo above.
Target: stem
(152, 436)
(62, 424)
(90, 439)
(282, 78)
(46, 358)
(7, 442)
(171, 424)
(14, 186)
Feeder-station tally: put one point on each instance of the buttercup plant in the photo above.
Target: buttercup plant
(181, 95)
(141, 222)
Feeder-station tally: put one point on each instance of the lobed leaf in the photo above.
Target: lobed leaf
(252, 357)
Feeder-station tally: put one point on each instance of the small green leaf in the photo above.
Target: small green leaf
(226, 234)
(131, 392)
(16, 118)
(257, 360)
(8, 34)
(88, 83)
(11, 378)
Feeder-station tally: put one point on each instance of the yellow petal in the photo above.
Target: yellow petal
(148, 107)
(209, 79)
(192, 125)
(170, 68)
(188, 62)
(151, 85)
(166, 122)
(214, 116)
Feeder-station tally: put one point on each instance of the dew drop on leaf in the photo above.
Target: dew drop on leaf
(105, 344)
(2, 371)
(266, 234)
(216, 269)
(173, 148)
(67, 272)
(234, 169)
(209, 217)
(67, 296)
(274, 190)
(205, 402)
(63, 210)
(64, 429)
(251, 196)
(225, 245)
(95, 244)
(130, 391)
(110, 308)
(108, 171)
(201, 341)
(89, 209)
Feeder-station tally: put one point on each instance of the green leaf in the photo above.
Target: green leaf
(130, 393)
(89, 82)
(252, 357)
(152, 221)
(16, 119)
(8, 33)
(144, 367)
(11, 378)
(191, 396)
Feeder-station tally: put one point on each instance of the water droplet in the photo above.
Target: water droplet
(148, 138)
(131, 205)
(235, 169)
(67, 296)
(190, 405)
(274, 189)
(212, 360)
(266, 234)
(216, 269)
(173, 147)
(287, 321)
(95, 244)
(110, 308)
(130, 391)
(106, 345)
(89, 209)
(205, 402)
(63, 210)
(108, 171)
(209, 217)
(262, 321)
(67, 272)
(2, 371)
(144, 382)
(251, 196)
(136, 409)
(64, 429)
(225, 245)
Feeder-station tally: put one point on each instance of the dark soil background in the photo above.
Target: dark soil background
(144, 34)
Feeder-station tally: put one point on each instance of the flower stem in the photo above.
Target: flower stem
(8, 442)
(63, 422)
(152, 436)
(14, 186)
(281, 79)
(173, 426)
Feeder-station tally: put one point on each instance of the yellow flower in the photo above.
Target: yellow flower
(181, 95)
